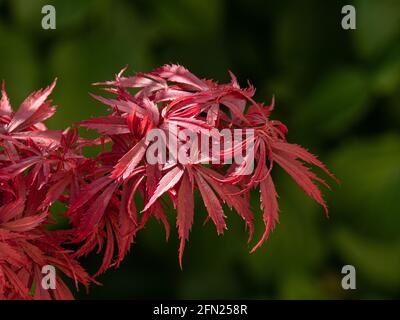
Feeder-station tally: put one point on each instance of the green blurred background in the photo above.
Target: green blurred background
(338, 92)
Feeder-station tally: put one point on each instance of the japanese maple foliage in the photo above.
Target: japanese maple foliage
(39, 167)
(33, 174)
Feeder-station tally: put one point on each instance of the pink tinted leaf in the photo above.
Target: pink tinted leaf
(26, 223)
(94, 214)
(185, 212)
(138, 81)
(269, 204)
(21, 166)
(130, 160)
(151, 109)
(212, 204)
(212, 114)
(44, 112)
(124, 106)
(89, 191)
(34, 253)
(108, 254)
(108, 125)
(179, 74)
(16, 283)
(169, 94)
(299, 152)
(229, 194)
(56, 190)
(44, 138)
(167, 182)
(12, 209)
(153, 175)
(8, 252)
(302, 176)
(30, 106)
(5, 106)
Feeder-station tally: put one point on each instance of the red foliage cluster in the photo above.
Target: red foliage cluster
(34, 163)
(39, 167)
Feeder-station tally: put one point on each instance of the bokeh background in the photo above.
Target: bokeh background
(338, 92)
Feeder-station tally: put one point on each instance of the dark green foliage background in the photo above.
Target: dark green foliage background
(338, 91)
